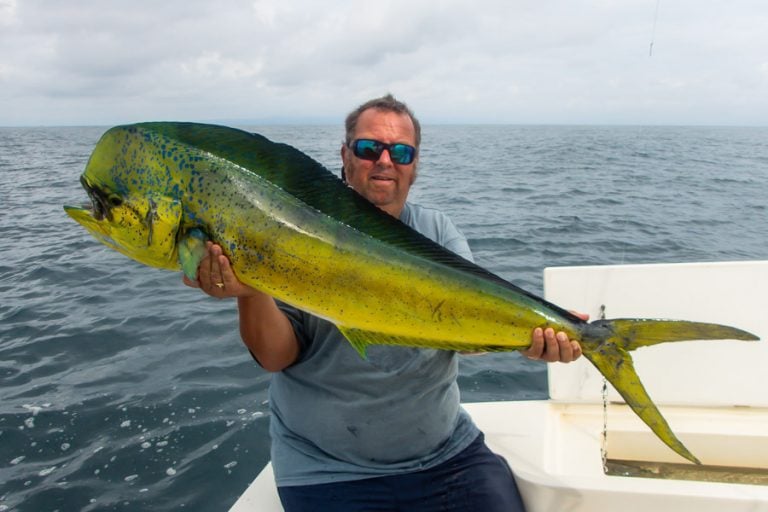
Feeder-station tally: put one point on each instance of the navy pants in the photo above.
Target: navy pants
(475, 480)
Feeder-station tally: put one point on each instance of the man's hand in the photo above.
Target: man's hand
(546, 345)
(216, 277)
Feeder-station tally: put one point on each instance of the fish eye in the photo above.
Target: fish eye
(115, 201)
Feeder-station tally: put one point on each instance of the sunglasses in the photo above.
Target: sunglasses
(369, 149)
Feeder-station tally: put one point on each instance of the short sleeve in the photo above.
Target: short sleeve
(438, 227)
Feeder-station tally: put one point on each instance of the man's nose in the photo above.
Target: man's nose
(384, 159)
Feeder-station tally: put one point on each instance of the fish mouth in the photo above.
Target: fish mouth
(100, 206)
(90, 215)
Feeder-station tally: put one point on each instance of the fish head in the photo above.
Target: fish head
(132, 208)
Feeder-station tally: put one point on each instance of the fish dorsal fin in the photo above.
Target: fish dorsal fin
(301, 176)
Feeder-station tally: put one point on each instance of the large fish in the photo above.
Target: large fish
(292, 229)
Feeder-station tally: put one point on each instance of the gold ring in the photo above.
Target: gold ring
(220, 285)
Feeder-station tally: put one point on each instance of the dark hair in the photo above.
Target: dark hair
(386, 103)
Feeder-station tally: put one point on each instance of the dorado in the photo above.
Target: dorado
(292, 229)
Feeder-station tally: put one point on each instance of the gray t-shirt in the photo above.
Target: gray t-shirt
(338, 417)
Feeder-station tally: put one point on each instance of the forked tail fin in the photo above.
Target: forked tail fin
(612, 339)
(632, 333)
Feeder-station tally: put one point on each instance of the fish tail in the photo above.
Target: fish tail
(616, 365)
(631, 333)
(614, 338)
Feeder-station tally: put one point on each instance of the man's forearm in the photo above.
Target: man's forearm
(267, 332)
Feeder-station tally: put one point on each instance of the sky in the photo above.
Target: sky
(106, 62)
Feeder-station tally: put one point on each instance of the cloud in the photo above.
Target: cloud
(86, 61)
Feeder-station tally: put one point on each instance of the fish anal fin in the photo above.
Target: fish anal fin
(360, 339)
(616, 365)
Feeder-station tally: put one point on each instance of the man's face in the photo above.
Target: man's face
(383, 182)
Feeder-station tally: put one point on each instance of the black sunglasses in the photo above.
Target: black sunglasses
(369, 149)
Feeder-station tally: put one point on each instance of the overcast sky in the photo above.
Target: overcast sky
(74, 62)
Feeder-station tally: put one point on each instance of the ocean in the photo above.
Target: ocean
(122, 389)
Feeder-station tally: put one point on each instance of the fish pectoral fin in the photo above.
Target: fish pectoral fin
(616, 365)
(161, 219)
(360, 339)
(192, 251)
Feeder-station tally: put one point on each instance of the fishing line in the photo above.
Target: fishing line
(653, 32)
(604, 392)
(604, 436)
(624, 222)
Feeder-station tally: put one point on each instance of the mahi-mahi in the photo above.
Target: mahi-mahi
(292, 229)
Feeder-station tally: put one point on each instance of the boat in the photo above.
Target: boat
(584, 450)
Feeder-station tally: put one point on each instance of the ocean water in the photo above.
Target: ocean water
(121, 389)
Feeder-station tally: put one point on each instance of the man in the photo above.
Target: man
(385, 433)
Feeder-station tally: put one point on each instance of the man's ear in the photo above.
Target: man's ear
(415, 170)
(344, 164)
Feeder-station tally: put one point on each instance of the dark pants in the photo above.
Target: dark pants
(475, 480)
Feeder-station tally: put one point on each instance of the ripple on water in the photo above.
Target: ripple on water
(120, 389)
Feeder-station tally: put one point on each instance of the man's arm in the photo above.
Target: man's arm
(264, 329)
